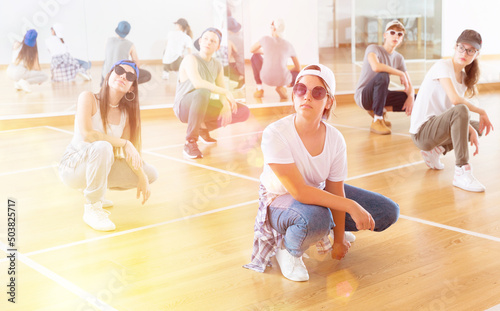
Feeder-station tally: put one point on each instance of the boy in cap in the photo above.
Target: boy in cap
(372, 92)
(201, 98)
(119, 48)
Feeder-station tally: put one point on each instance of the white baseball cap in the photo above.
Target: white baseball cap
(321, 71)
(59, 30)
(394, 22)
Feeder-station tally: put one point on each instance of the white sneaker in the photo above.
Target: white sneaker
(165, 75)
(106, 203)
(97, 218)
(349, 236)
(25, 86)
(431, 157)
(292, 268)
(85, 76)
(17, 86)
(465, 180)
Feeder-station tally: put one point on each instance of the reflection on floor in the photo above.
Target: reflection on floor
(60, 98)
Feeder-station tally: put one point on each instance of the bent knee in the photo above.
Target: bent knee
(102, 147)
(383, 77)
(462, 110)
(389, 216)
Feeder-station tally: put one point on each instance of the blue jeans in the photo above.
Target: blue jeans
(303, 224)
(85, 65)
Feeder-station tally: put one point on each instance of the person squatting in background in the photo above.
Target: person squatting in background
(201, 97)
(441, 122)
(179, 43)
(118, 48)
(63, 66)
(25, 67)
(372, 92)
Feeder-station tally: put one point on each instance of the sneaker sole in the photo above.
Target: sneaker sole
(190, 156)
(429, 164)
(207, 142)
(380, 133)
(468, 189)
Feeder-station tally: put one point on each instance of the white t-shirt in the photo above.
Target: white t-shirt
(55, 46)
(431, 98)
(281, 144)
(177, 44)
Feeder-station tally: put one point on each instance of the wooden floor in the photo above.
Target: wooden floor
(185, 248)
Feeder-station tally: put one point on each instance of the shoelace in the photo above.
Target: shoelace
(102, 214)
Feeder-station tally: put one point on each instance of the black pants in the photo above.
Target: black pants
(376, 95)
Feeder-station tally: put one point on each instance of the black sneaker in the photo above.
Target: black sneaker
(205, 137)
(191, 150)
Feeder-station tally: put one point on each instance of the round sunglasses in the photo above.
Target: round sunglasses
(130, 76)
(392, 33)
(318, 92)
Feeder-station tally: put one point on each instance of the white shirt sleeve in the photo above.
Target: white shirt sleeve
(275, 148)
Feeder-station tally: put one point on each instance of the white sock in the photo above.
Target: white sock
(375, 118)
(259, 87)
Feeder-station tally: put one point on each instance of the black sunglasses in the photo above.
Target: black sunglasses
(119, 70)
(392, 32)
(318, 92)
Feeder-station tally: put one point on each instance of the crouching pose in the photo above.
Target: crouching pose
(302, 193)
(106, 123)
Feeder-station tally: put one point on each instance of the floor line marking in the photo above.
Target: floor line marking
(201, 166)
(59, 130)
(61, 281)
(385, 170)
(21, 129)
(438, 225)
(139, 228)
(367, 129)
(29, 170)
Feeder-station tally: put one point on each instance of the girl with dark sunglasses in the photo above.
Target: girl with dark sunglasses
(106, 148)
(372, 92)
(303, 198)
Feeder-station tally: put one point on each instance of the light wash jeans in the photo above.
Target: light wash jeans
(18, 72)
(303, 225)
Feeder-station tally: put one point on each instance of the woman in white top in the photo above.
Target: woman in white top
(25, 67)
(106, 124)
(63, 66)
(302, 194)
(179, 43)
(440, 119)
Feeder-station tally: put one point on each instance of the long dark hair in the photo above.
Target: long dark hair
(28, 55)
(131, 107)
(187, 30)
(472, 73)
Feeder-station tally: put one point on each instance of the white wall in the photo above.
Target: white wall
(301, 25)
(88, 23)
(480, 15)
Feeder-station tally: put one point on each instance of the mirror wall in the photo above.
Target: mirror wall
(86, 27)
(334, 32)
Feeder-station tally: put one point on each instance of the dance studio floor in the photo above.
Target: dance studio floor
(185, 248)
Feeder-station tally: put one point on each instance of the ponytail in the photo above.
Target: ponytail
(471, 78)
(188, 31)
